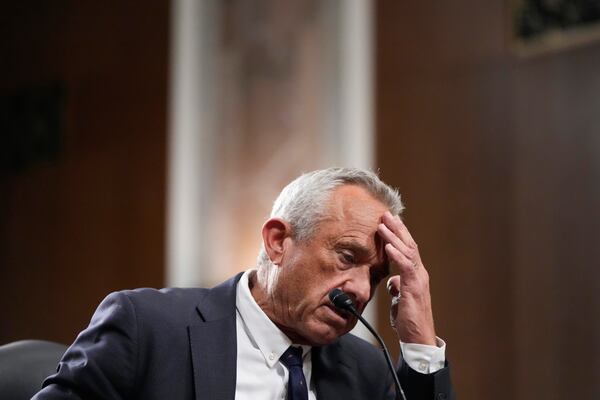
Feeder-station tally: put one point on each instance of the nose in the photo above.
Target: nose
(358, 286)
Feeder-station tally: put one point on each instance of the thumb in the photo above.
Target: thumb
(393, 286)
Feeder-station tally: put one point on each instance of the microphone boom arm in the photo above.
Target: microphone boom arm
(342, 301)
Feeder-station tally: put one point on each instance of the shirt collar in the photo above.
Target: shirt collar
(269, 339)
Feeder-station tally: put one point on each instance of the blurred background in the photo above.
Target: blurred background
(142, 143)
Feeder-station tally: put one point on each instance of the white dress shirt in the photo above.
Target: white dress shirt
(260, 343)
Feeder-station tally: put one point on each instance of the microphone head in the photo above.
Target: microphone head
(341, 300)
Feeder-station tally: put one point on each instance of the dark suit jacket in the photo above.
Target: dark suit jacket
(181, 344)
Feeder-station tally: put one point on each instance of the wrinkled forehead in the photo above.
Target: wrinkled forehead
(352, 202)
(353, 214)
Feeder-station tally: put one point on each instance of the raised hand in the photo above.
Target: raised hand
(410, 313)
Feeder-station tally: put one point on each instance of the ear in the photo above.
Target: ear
(275, 232)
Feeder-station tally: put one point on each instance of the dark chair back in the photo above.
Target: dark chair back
(25, 364)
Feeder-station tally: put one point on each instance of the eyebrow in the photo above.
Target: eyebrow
(359, 248)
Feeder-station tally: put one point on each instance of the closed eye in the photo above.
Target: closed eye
(347, 256)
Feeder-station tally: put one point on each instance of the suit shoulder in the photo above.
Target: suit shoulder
(159, 304)
(169, 295)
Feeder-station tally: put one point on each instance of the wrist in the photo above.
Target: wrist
(429, 339)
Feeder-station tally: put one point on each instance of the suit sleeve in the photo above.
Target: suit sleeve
(101, 363)
(417, 386)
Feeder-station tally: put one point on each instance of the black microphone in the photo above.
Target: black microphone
(343, 302)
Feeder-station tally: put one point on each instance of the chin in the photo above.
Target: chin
(325, 336)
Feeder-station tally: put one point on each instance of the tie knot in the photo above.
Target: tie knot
(292, 357)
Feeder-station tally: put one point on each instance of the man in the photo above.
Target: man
(333, 228)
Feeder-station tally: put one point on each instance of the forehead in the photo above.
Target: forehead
(352, 200)
(352, 211)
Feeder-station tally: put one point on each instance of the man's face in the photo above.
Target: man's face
(344, 252)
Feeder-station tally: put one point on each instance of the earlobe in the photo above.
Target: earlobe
(274, 233)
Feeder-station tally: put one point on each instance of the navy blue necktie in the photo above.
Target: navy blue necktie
(292, 359)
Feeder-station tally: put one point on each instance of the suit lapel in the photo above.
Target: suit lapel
(214, 352)
(213, 343)
(334, 372)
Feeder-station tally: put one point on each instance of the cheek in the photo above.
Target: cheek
(311, 278)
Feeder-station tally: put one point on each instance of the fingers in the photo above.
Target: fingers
(397, 244)
(400, 247)
(407, 266)
(395, 224)
(392, 238)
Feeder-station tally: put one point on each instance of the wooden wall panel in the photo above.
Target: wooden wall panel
(92, 221)
(496, 156)
(557, 186)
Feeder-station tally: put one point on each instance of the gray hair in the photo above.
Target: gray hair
(302, 202)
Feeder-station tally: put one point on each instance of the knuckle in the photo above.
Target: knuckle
(411, 253)
(426, 285)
